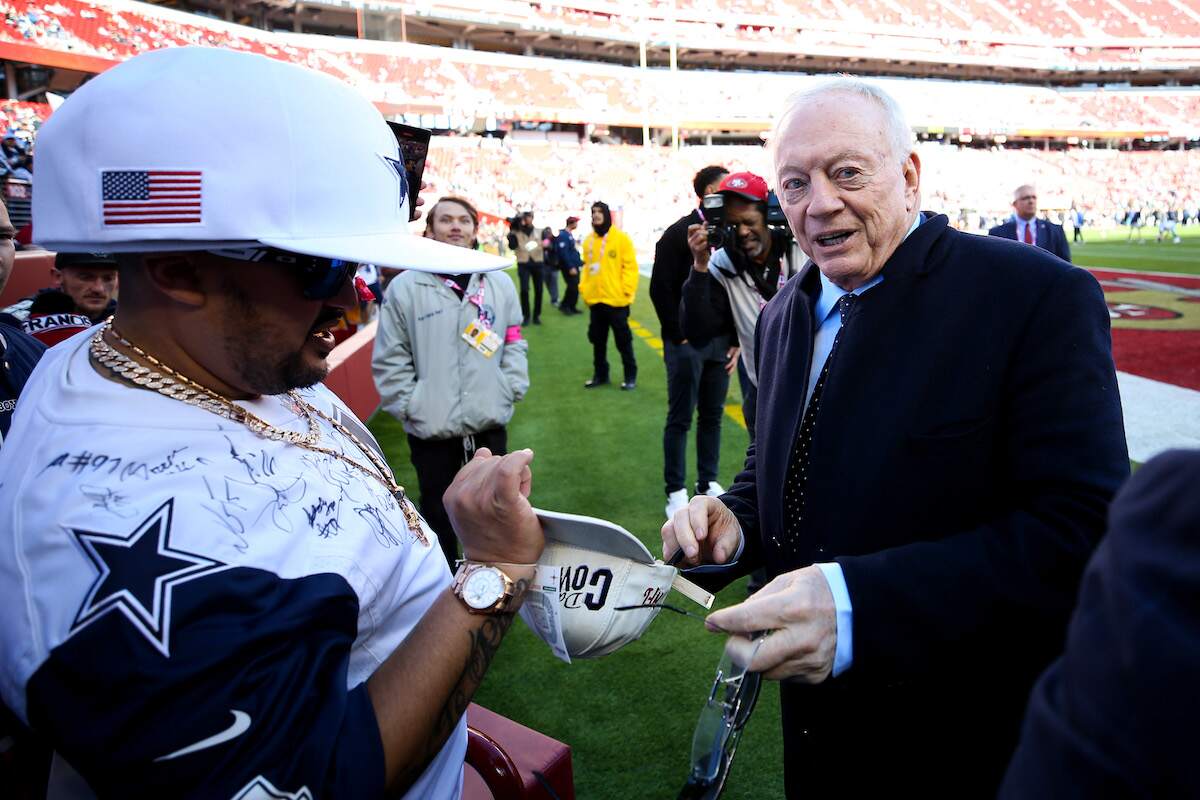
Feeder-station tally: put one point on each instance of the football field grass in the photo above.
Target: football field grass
(1113, 248)
(629, 717)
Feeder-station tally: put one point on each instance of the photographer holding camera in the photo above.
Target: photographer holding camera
(750, 259)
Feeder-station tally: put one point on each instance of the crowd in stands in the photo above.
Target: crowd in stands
(470, 84)
(646, 187)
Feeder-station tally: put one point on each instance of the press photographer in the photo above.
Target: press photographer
(751, 254)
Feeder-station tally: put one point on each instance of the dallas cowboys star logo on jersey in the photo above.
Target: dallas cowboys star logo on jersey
(137, 574)
(398, 166)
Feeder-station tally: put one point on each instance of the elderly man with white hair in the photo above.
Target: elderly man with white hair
(939, 434)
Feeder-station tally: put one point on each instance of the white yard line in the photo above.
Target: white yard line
(1158, 416)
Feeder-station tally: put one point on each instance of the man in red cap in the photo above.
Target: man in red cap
(751, 264)
(569, 262)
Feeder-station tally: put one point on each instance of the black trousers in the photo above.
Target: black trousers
(602, 318)
(749, 397)
(696, 380)
(437, 462)
(571, 292)
(550, 278)
(525, 272)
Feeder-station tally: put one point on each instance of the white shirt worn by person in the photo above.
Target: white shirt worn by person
(192, 609)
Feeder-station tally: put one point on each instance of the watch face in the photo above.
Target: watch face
(483, 588)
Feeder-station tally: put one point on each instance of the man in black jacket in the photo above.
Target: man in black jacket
(19, 352)
(1115, 716)
(697, 370)
(939, 436)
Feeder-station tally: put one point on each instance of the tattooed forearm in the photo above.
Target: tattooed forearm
(484, 642)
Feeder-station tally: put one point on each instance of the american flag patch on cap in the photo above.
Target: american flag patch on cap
(151, 197)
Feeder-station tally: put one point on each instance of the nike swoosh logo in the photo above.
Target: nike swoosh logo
(241, 724)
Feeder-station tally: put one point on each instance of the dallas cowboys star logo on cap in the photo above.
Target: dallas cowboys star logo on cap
(398, 166)
(137, 574)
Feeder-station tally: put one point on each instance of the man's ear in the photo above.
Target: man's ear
(56, 276)
(178, 276)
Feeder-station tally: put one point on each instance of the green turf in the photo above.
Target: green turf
(1112, 248)
(628, 717)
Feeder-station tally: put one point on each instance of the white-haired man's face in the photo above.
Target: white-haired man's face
(848, 198)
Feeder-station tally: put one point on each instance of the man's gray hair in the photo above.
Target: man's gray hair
(898, 133)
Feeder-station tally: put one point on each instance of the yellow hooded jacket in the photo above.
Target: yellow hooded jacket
(609, 277)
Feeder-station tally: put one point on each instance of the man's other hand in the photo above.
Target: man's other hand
(698, 244)
(489, 507)
(797, 609)
(731, 359)
(707, 531)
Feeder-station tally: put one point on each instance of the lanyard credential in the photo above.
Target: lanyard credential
(595, 265)
(475, 299)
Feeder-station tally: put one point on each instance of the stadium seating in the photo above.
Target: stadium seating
(465, 84)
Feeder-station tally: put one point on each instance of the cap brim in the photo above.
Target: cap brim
(590, 533)
(398, 250)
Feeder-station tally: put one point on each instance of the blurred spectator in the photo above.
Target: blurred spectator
(550, 265)
(450, 336)
(84, 283)
(528, 248)
(19, 352)
(608, 284)
(569, 262)
(1027, 227)
(697, 370)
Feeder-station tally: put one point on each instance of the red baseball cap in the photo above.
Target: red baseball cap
(745, 184)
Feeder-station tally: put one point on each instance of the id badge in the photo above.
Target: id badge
(482, 339)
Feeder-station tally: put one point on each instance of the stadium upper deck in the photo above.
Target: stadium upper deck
(1067, 41)
(466, 86)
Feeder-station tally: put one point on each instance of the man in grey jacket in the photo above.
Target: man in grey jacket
(449, 363)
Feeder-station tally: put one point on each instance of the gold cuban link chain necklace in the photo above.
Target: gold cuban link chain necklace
(178, 386)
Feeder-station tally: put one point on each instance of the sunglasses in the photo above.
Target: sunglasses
(320, 278)
(722, 719)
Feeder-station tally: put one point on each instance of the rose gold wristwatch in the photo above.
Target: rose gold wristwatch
(484, 588)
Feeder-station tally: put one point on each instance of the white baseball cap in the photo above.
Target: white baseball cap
(193, 148)
(601, 567)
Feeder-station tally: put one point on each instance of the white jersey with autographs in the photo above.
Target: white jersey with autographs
(191, 610)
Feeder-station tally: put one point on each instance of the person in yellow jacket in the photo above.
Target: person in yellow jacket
(608, 283)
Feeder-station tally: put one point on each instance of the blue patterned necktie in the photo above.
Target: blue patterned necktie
(794, 486)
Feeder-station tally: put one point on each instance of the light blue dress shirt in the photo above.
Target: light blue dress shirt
(828, 324)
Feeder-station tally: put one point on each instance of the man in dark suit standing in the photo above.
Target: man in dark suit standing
(939, 434)
(697, 372)
(1115, 716)
(1026, 227)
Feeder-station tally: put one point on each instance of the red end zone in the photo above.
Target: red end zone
(1155, 324)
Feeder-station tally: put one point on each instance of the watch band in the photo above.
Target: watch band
(503, 605)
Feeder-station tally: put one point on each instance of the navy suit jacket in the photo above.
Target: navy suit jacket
(1049, 236)
(969, 441)
(1116, 715)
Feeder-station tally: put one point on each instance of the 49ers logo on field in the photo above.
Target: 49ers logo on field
(1137, 311)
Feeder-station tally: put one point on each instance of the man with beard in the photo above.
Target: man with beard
(449, 363)
(608, 284)
(85, 284)
(930, 475)
(750, 270)
(222, 589)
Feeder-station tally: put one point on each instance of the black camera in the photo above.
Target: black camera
(714, 219)
(775, 217)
